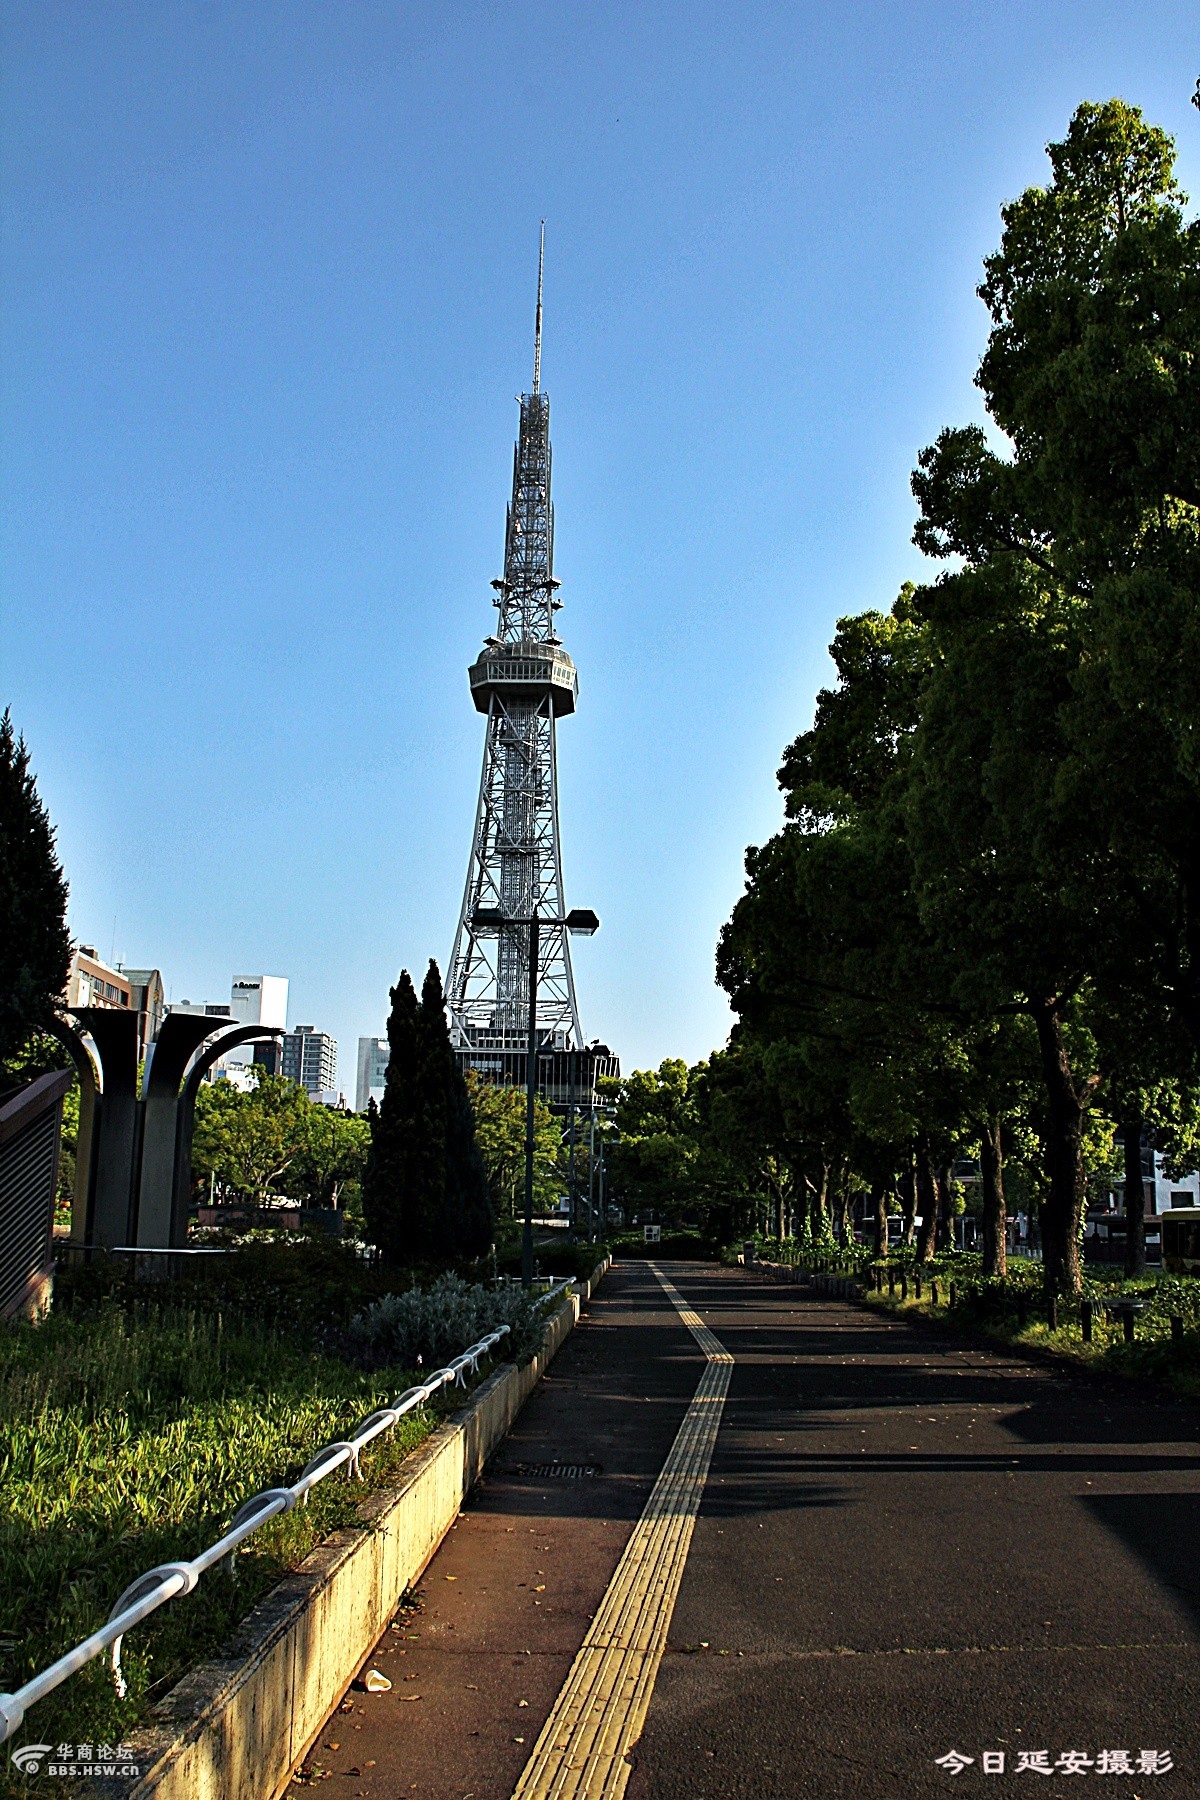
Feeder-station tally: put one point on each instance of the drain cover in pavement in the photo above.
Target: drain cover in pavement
(555, 1471)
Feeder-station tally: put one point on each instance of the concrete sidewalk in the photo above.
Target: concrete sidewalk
(504, 1605)
(905, 1547)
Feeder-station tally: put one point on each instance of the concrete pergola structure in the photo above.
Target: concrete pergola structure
(134, 1163)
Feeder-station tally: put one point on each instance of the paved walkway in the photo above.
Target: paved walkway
(902, 1548)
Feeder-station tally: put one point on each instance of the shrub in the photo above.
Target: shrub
(429, 1326)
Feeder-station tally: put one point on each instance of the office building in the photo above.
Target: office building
(310, 1058)
(373, 1055)
(91, 982)
(256, 1000)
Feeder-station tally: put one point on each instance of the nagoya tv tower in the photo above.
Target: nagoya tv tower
(524, 681)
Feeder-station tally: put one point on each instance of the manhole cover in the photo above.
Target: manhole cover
(555, 1471)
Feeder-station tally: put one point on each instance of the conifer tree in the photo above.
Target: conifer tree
(466, 1225)
(425, 1194)
(387, 1180)
(35, 949)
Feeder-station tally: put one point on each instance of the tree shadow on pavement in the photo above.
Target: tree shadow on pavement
(1162, 1531)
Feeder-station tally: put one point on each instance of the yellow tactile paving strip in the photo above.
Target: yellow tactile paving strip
(602, 1707)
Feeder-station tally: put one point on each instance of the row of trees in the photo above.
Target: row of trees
(979, 931)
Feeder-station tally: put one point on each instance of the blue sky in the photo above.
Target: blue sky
(268, 278)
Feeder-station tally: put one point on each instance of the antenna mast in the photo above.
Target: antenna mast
(537, 336)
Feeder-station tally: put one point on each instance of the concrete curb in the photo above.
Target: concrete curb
(236, 1728)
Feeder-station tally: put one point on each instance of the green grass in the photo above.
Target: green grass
(129, 1435)
(990, 1309)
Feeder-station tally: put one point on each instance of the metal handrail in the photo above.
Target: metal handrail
(158, 1585)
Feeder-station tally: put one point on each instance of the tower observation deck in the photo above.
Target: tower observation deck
(523, 681)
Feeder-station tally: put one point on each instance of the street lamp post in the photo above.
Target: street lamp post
(580, 920)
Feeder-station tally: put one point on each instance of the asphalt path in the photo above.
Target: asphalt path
(906, 1547)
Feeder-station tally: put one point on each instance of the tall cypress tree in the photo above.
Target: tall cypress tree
(465, 1227)
(425, 1192)
(387, 1179)
(35, 949)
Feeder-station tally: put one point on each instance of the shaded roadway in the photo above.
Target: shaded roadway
(906, 1545)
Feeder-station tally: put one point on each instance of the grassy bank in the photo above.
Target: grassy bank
(1014, 1312)
(126, 1442)
(133, 1423)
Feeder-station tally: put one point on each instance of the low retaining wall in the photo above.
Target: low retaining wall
(235, 1729)
(836, 1287)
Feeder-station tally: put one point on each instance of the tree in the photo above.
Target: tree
(35, 949)
(1061, 709)
(468, 1220)
(250, 1142)
(499, 1115)
(387, 1178)
(333, 1153)
(425, 1195)
(657, 1128)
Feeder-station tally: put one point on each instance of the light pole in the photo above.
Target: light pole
(579, 921)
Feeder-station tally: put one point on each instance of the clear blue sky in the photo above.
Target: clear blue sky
(268, 281)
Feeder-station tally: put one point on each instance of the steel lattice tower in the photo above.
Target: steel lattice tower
(525, 682)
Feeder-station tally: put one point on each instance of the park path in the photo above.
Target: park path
(905, 1546)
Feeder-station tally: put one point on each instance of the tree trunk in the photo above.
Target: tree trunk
(906, 1193)
(927, 1201)
(1188, 985)
(1063, 1206)
(879, 1194)
(801, 1228)
(845, 1218)
(1135, 1196)
(945, 1215)
(779, 1211)
(991, 1167)
(820, 1226)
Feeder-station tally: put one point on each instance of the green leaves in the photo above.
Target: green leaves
(499, 1114)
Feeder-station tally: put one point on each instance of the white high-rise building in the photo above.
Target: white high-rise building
(257, 1000)
(372, 1070)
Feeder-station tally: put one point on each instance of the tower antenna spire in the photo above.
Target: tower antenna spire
(537, 335)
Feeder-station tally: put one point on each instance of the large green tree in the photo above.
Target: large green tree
(1056, 813)
(35, 949)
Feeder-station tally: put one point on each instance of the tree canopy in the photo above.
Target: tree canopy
(981, 922)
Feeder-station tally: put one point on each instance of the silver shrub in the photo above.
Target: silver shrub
(430, 1326)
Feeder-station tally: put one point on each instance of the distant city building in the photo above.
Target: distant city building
(269, 1056)
(310, 1058)
(92, 983)
(149, 997)
(256, 1000)
(373, 1056)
